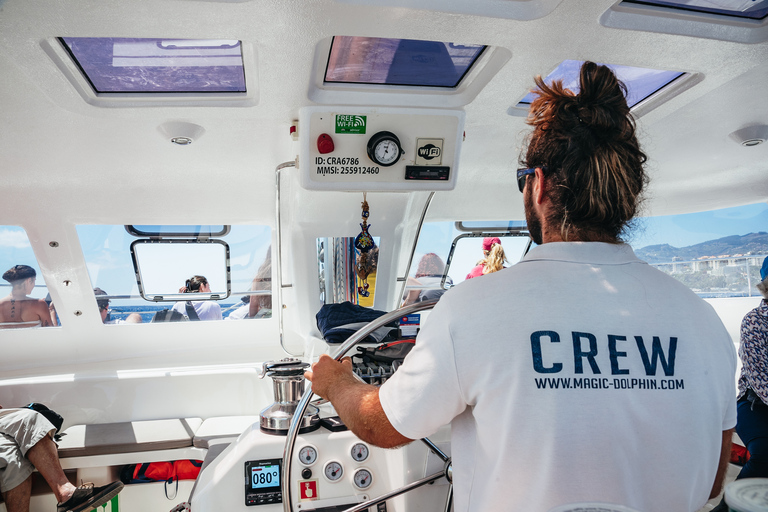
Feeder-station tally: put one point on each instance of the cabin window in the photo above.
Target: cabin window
(375, 60)
(169, 256)
(134, 65)
(748, 9)
(716, 253)
(641, 83)
(25, 301)
(447, 252)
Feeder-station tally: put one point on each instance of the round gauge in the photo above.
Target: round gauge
(333, 471)
(359, 452)
(384, 148)
(363, 478)
(308, 455)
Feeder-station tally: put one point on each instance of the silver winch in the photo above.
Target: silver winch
(288, 381)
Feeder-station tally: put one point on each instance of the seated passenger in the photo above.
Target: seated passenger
(18, 309)
(105, 312)
(260, 306)
(428, 274)
(27, 444)
(257, 306)
(198, 310)
(493, 260)
(752, 400)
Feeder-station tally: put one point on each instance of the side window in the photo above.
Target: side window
(716, 253)
(25, 301)
(218, 275)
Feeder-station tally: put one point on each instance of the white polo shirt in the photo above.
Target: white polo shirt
(579, 374)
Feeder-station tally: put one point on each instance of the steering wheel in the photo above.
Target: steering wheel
(293, 429)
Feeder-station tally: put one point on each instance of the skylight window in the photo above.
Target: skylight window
(373, 60)
(125, 65)
(641, 82)
(750, 9)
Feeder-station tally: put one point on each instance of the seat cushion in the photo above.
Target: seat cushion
(128, 437)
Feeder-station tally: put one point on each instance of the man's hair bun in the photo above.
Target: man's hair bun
(588, 144)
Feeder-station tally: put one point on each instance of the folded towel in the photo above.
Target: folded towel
(337, 322)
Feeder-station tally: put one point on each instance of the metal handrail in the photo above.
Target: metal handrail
(277, 305)
(424, 211)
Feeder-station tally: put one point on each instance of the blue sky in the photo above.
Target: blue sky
(676, 230)
(694, 228)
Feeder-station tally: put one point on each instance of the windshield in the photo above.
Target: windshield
(448, 253)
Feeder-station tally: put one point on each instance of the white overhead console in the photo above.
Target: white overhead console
(369, 149)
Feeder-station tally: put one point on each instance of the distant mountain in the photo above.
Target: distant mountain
(755, 243)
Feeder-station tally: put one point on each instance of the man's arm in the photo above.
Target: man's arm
(357, 403)
(722, 467)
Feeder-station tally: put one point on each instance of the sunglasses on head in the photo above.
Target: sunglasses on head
(523, 173)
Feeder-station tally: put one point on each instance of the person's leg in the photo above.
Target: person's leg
(17, 499)
(26, 441)
(15, 475)
(752, 427)
(757, 465)
(44, 456)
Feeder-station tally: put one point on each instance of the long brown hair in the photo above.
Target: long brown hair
(593, 161)
(430, 265)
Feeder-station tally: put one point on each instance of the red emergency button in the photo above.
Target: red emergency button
(325, 144)
(308, 489)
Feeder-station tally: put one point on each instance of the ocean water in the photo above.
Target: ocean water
(149, 311)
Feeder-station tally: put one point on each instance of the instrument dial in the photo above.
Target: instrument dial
(308, 455)
(360, 452)
(384, 148)
(333, 471)
(363, 478)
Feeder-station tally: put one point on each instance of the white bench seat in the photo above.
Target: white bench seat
(128, 437)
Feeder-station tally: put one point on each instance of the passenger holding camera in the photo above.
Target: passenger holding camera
(201, 309)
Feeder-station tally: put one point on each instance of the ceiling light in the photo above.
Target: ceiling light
(181, 133)
(750, 135)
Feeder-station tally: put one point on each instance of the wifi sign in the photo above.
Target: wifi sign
(351, 123)
(429, 152)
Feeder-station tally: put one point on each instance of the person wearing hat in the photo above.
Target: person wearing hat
(752, 408)
(18, 309)
(493, 260)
